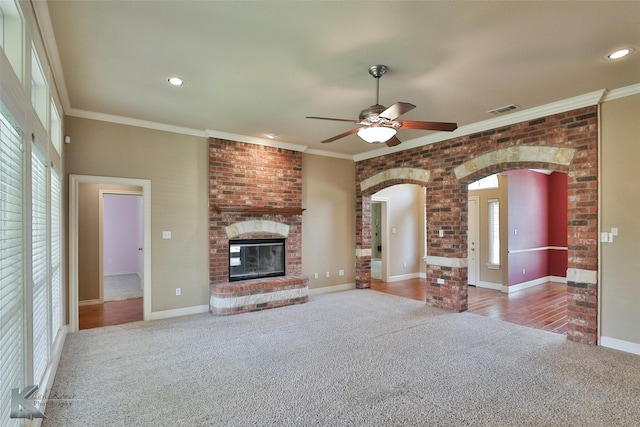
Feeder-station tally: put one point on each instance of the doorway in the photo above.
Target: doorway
(379, 238)
(91, 293)
(122, 245)
(473, 246)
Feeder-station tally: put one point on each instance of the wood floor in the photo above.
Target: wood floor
(541, 307)
(110, 313)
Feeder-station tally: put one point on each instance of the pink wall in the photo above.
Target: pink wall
(558, 223)
(538, 211)
(122, 236)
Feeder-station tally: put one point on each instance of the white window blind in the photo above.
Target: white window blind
(56, 261)
(11, 264)
(494, 232)
(40, 262)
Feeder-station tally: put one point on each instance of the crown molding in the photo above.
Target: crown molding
(622, 92)
(134, 122)
(328, 154)
(253, 140)
(589, 99)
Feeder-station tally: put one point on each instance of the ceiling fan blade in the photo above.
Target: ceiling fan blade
(396, 110)
(443, 126)
(393, 141)
(335, 120)
(342, 135)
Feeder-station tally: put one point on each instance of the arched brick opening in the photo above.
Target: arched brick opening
(564, 142)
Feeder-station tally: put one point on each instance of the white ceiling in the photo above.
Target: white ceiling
(256, 67)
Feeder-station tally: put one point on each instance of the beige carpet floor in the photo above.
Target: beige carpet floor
(353, 358)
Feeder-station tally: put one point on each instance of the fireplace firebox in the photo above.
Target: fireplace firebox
(256, 258)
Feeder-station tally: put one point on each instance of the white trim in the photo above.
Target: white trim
(385, 240)
(90, 302)
(74, 183)
(558, 279)
(328, 154)
(422, 275)
(524, 285)
(401, 277)
(178, 312)
(541, 248)
(253, 140)
(616, 344)
(446, 262)
(561, 106)
(621, 92)
(489, 285)
(330, 289)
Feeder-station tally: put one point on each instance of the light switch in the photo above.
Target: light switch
(393, 230)
(614, 231)
(166, 234)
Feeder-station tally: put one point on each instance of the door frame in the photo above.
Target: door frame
(384, 234)
(476, 200)
(74, 185)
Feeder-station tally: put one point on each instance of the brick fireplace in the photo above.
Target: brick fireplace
(255, 192)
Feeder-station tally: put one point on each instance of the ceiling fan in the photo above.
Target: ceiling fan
(379, 124)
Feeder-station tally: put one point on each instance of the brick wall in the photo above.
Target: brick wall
(248, 175)
(447, 204)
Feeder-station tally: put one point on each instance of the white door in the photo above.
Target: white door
(472, 242)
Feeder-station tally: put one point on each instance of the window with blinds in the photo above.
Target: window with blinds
(494, 233)
(11, 263)
(40, 263)
(56, 260)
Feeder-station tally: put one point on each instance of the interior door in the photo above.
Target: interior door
(473, 256)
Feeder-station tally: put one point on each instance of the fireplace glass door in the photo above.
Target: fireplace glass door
(256, 258)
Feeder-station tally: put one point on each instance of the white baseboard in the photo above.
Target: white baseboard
(525, 285)
(89, 302)
(489, 285)
(328, 289)
(404, 277)
(122, 274)
(422, 276)
(616, 344)
(177, 312)
(558, 279)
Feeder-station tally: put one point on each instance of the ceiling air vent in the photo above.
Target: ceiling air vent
(503, 110)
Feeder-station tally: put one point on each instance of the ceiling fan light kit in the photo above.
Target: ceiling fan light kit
(376, 134)
(379, 124)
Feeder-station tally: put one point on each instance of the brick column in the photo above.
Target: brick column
(363, 240)
(446, 254)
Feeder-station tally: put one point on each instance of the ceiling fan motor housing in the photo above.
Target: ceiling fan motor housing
(371, 114)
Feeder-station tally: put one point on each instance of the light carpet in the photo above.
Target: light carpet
(119, 287)
(354, 358)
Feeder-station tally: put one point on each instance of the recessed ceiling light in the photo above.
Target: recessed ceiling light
(271, 135)
(620, 53)
(176, 81)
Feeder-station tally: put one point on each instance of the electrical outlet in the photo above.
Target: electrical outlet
(404, 264)
(315, 275)
(178, 292)
(328, 274)
(440, 281)
(340, 272)
(441, 233)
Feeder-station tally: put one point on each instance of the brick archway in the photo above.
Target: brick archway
(564, 142)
